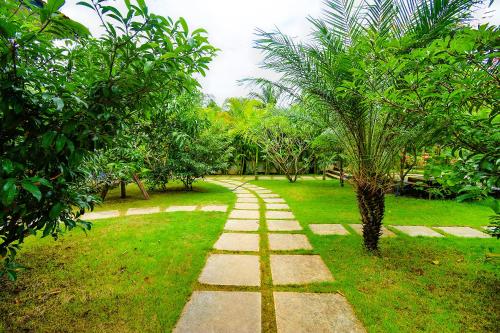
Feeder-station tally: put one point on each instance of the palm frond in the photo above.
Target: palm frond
(427, 19)
(379, 17)
(344, 18)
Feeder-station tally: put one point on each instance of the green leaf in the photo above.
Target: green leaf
(56, 210)
(50, 8)
(9, 191)
(169, 55)
(33, 189)
(58, 102)
(85, 4)
(115, 11)
(74, 27)
(60, 142)
(148, 66)
(142, 4)
(48, 138)
(199, 31)
(7, 166)
(11, 275)
(184, 24)
(7, 29)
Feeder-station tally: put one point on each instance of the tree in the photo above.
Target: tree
(285, 143)
(197, 148)
(181, 142)
(64, 94)
(455, 81)
(268, 95)
(243, 115)
(338, 72)
(328, 151)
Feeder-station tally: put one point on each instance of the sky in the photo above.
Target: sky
(231, 26)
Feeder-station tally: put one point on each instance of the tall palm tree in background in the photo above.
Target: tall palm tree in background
(324, 74)
(269, 94)
(243, 114)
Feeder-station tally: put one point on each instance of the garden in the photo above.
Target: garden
(357, 191)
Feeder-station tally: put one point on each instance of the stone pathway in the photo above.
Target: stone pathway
(153, 210)
(410, 230)
(253, 254)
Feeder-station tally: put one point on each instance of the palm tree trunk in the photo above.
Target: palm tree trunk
(371, 205)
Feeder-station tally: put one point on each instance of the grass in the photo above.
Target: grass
(334, 204)
(130, 274)
(136, 273)
(202, 194)
(416, 284)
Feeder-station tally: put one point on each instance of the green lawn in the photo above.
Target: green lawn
(327, 202)
(417, 284)
(129, 274)
(203, 194)
(135, 273)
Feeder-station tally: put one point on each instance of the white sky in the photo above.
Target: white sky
(231, 26)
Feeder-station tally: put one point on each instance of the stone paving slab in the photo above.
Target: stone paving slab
(242, 225)
(101, 215)
(247, 200)
(328, 229)
(268, 196)
(288, 242)
(258, 191)
(244, 214)
(214, 208)
(359, 230)
(180, 209)
(279, 215)
(274, 200)
(281, 225)
(298, 269)
(143, 211)
(467, 232)
(251, 206)
(238, 242)
(245, 195)
(415, 231)
(242, 191)
(221, 311)
(231, 270)
(277, 206)
(308, 312)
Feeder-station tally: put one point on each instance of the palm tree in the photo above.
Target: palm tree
(244, 114)
(268, 95)
(324, 74)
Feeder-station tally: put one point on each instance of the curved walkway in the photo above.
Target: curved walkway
(250, 279)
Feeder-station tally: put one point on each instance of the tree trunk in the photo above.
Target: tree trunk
(243, 166)
(341, 172)
(402, 164)
(371, 207)
(123, 189)
(256, 163)
(324, 173)
(141, 187)
(104, 192)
